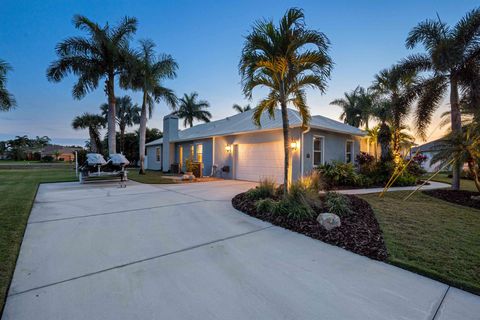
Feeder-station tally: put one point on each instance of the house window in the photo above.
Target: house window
(349, 151)
(317, 151)
(158, 154)
(192, 151)
(180, 156)
(199, 152)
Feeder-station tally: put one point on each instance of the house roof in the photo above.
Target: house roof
(435, 145)
(242, 123)
(52, 148)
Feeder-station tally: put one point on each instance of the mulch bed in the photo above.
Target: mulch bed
(461, 197)
(359, 232)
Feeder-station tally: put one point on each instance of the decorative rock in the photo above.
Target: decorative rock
(476, 198)
(190, 177)
(329, 220)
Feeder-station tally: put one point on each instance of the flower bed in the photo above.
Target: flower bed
(461, 197)
(359, 232)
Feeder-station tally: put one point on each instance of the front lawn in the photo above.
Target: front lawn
(431, 237)
(151, 177)
(465, 184)
(17, 190)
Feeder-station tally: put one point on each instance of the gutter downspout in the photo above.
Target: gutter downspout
(302, 150)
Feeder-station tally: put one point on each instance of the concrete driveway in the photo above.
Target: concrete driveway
(182, 252)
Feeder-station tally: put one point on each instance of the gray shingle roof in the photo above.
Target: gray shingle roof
(242, 123)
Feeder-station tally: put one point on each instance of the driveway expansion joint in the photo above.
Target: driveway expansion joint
(441, 302)
(139, 261)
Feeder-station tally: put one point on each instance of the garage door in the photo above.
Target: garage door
(259, 160)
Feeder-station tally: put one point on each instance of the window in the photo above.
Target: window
(180, 157)
(199, 152)
(349, 151)
(192, 151)
(317, 151)
(158, 154)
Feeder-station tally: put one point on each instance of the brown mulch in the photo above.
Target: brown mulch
(359, 232)
(461, 197)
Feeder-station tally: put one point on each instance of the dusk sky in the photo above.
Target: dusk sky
(206, 38)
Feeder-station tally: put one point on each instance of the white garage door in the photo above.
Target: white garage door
(259, 160)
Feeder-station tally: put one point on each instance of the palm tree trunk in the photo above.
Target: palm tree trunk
(143, 130)
(112, 148)
(122, 137)
(476, 178)
(93, 143)
(456, 128)
(286, 146)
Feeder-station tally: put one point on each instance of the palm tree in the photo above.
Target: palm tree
(127, 115)
(241, 109)
(350, 114)
(145, 73)
(399, 88)
(383, 112)
(7, 100)
(100, 55)
(462, 148)
(93, 123)
(449, 57)
(286, 59)
(357, 107)
(372, 135)
(190, 109)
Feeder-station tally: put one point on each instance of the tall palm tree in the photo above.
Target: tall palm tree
(145, 73)
(357, 107)
(383, 112)
(99, 55)
(127, 115)
(190, 109)
(7, 100)
(450, 54)
(286, 59)
(372, 135)
(350, 114)
(399, 88)
(92, 122)
(241, 109)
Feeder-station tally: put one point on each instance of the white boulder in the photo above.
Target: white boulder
(329, 220)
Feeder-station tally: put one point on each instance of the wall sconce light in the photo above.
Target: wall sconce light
(228, 148)
(294, 145)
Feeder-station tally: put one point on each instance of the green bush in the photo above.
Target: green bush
(405, 179)
(266, 205)
(338, 174)
(266, 189)
(338, 204)
(292, 209)
(47, 159)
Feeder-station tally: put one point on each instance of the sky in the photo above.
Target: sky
(206, 39)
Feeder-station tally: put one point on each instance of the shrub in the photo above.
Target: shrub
(405, 179)
(47, 159)
(366, 162)
(338, 174)
(338, 204)
(292, 209)
(266, 205)
(312, 181)
(415, 167)
(266, 189)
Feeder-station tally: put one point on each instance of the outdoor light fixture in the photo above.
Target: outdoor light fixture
(294, 145)
(228, 148)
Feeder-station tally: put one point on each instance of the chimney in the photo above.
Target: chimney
(170, 133)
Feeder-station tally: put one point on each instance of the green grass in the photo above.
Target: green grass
(152, 177)
(431, 237)
(18, 189)
(465, 184)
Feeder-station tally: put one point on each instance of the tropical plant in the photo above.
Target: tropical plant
(382, 112)
(398, 88)
(265, 189)
(286, 59)
(7, 100)
(357, 107)
(452, 55)
(372, 135)
(100, 55)
(241, 109)
(127, 115)
(145, 73)
(190, 109)
(93, 123)
(338, 204)
(463, 148)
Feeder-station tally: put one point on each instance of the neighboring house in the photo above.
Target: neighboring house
(429, 149)
(64, 153)
(251, 153)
